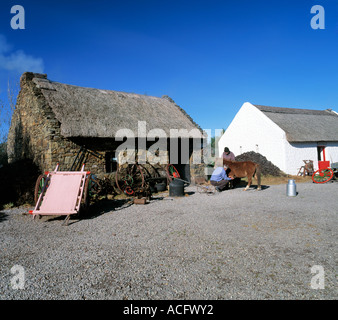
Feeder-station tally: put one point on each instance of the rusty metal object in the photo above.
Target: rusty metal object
(129, 178)
(140, 201)
(171, 172)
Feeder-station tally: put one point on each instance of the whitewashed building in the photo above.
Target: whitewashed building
(285, 136)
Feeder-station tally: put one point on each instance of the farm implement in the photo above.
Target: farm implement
(325, 172)
(62, 193)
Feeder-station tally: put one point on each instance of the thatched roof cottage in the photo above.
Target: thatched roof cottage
(52, 121)
(285, 136)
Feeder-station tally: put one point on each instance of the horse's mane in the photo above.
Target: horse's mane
(230, 162)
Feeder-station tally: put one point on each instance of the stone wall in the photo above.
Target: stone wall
(141, 154)
(197, 170)
(64, 152)
(32, 124)
(35, 133)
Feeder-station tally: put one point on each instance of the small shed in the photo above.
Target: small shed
(53, 121)
(285, 136)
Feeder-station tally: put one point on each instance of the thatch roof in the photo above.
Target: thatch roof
(89, 112)
(303, 125)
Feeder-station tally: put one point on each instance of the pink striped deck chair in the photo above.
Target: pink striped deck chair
(61, 194)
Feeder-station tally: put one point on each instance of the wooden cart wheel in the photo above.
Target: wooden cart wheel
(40, 182)
(84, 207)
(129, 178)
(171, 172)
(322, 175)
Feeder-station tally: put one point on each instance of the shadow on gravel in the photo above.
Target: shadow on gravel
(252, 187)
(104, 206)
(264, 187)
(3, 216)
(242, 184)
(97, 209)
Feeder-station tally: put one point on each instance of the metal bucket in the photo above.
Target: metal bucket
(176, 188)
(291, 189)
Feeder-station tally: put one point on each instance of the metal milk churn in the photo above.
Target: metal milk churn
(291, 189)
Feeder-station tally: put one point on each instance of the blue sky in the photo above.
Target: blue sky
(209, 56)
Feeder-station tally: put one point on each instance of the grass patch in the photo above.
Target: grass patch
(272, 180)
(8, 205)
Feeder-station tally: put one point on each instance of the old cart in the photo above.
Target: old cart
(325, 172)
(137, 181)
(62, 193)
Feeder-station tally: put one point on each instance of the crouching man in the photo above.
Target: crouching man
(219, 179)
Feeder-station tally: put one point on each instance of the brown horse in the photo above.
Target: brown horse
(242, 169)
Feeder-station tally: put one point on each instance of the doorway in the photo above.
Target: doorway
(321, 153)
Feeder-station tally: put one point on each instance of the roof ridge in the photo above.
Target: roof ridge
(295, 110)
(101, 113)
(43, 79)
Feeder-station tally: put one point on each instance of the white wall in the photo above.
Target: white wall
(297, 152)
(331, 151)
(251, 130)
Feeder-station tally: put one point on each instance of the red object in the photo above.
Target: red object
(323, 164)
(322, 175)
(30, 211)
(129, 190)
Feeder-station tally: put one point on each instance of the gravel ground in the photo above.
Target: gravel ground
(231, 245)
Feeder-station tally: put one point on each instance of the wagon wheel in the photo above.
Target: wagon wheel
(171, 172)
(40, 182)
(129, 178)
(322, 175)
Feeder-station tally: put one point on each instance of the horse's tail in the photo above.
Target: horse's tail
(258, 176)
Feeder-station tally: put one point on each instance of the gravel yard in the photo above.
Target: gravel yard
(231, 245)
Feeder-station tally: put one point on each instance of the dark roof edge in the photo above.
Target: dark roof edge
(268, 109)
